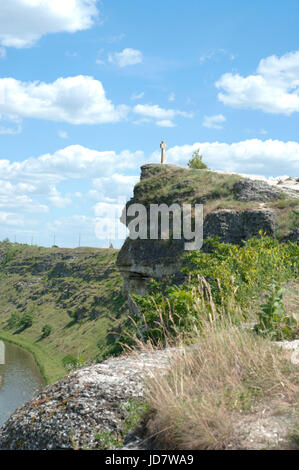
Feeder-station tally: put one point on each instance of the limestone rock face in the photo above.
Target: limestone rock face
(233, 226)
(259, 191)
(140, 260)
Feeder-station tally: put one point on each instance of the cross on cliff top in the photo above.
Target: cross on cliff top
(163, 147)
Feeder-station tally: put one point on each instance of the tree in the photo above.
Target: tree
(26, 320)
(46, 331)
(196, 161)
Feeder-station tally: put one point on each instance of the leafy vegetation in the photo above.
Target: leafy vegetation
(223, 281)
(196, 161)
(273, 321)
(46, 331)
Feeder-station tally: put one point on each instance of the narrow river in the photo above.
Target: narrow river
(20, 379)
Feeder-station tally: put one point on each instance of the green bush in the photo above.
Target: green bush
(46, 331)
(196, 161)
(273, 321)
(26, 321)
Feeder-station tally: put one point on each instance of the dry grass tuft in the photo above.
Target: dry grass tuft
(228, 371)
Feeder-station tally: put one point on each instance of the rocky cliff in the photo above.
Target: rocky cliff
(235, 209)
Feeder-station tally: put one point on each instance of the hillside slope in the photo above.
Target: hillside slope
(77, 292)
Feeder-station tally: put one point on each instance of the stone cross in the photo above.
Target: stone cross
(163, 152)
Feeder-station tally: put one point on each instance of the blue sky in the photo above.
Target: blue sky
(88, 89)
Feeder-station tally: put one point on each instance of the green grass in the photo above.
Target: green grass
(76, 292)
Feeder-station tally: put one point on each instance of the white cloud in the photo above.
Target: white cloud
(165, 123)
(171, 97)
(254, 156)
(214, 122)
(10, 130)
(74, 161)
(7, 218)
(155, 112)
(63, 134)
(56, 199)
(214, 54)
(127, 57)
(273, 89)
(22, 203)
(24, 22)
(76, 100)
(122, 185)
(137, 96)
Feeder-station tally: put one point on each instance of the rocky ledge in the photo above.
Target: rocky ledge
(91, 402)
(88, 403)
(253, 209)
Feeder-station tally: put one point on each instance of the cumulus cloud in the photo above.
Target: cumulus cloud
(10, 219)
(24, 22)
(74, 161)
(57, 199)
(254, 156)
(122, 185)
(214, 122)
(164, 117)
(76, 100)
(165, 123)
(273, 89)
(126, 57)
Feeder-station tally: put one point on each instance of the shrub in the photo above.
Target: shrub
(26, 321)
(273, 321)
(46, 331)
(196, 161)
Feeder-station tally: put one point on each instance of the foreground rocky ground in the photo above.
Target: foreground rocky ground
(86, 408)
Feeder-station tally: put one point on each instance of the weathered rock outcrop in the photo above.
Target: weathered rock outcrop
(248, 212)
(87, 404)
(78, 411)
(259, 191)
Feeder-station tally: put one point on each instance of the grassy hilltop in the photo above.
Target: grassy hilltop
(75, 293)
